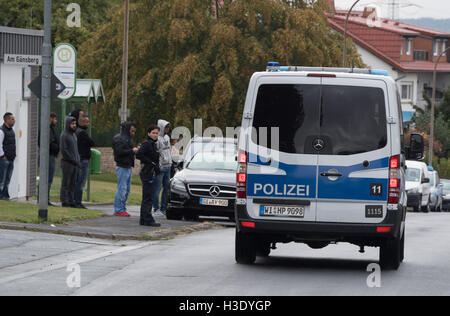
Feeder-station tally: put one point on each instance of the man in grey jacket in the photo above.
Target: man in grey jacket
(165, 161)
(69, 163)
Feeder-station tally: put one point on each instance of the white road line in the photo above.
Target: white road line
(63, 265)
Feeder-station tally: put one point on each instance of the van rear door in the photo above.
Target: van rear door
(353, 151)
(281, 182)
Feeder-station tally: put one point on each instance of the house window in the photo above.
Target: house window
(409, 46)
(444, 47)
(436, 47)
(407, 91)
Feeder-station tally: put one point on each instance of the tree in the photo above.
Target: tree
(185, 63)
(30, 14)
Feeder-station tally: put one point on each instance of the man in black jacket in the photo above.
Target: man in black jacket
(54, 152)
(149, 156)
(69, 163)
(85, 143)
(7, 154)
(124, 153)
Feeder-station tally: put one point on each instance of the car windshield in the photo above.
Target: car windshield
(215, 161)
(413, 175)
(212, 146)
(446, 186)
(432, 179)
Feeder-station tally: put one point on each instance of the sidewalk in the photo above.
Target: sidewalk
(117, 228)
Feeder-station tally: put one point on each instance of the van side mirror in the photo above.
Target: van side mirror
(416, 147)
(426, 180)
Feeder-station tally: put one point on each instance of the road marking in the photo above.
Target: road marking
(63, 265)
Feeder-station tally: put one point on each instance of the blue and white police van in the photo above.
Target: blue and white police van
(321, 161)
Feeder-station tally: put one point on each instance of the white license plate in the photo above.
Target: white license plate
(282, 211)
(214, 202)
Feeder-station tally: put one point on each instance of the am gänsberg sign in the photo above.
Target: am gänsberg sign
(22, 60)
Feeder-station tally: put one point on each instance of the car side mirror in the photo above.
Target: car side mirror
(416, 147)
(426, 180)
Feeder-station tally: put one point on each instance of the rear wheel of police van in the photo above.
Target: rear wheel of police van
(392, 253)
(245, 248)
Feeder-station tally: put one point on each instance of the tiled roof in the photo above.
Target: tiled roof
(384, 37)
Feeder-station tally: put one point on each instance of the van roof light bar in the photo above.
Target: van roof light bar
(275, 67)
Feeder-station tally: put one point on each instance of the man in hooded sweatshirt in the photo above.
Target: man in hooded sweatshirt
(165, 161)
(70, 162)
(124, 155)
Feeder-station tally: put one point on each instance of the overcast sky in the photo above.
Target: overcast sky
(409, 9)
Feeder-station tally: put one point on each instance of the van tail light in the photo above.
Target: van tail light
(394, 180)
(241, 176)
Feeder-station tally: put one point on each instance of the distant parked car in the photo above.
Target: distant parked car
(445, 194)
(207, 187)
(418, 185)
(435, 191)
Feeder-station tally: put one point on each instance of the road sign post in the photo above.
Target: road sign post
(45, 112)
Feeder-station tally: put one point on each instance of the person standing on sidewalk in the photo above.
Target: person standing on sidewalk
(85, 143)
(70, 162)
(165, 162)
(149, 157)
(7, 154)
(54, 152)
(124, 154)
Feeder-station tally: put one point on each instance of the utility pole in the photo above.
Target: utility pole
(344, 53)
(45, 112)
(433, 106)
(126, 27)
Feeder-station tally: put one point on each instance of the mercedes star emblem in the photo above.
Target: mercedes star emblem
(318, 144)
(214, 191)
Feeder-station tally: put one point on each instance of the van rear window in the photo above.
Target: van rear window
(315, 119)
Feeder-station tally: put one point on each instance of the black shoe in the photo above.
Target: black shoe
(81, 206)
(151, 224)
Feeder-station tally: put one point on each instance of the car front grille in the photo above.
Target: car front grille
(203, 190)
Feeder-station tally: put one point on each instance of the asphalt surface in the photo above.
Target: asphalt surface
(202, 264)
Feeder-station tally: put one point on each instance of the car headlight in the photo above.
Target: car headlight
(178, 185)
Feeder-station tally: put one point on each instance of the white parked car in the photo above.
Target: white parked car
(418, 186)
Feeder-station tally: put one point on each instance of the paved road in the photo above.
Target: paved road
(202, 264)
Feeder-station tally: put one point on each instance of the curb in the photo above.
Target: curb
(166, 233)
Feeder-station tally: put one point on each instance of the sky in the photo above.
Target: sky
(409, 9)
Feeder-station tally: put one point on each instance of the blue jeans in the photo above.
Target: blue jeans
(6, 170)
(82, 175)
(123, 189)
(162, 179)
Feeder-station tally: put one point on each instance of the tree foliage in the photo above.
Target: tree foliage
(185, 64)
(30, 14)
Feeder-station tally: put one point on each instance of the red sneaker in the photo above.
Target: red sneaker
(122, 214)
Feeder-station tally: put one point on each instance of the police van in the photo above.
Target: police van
(321, 161)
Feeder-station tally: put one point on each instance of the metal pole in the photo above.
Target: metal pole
(45, 112)
(433, 105)
(124, 108)
(89, 168)
(344, 53)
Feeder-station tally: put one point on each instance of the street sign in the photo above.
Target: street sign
(56, 87)
(65, 69)
(22, 60)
